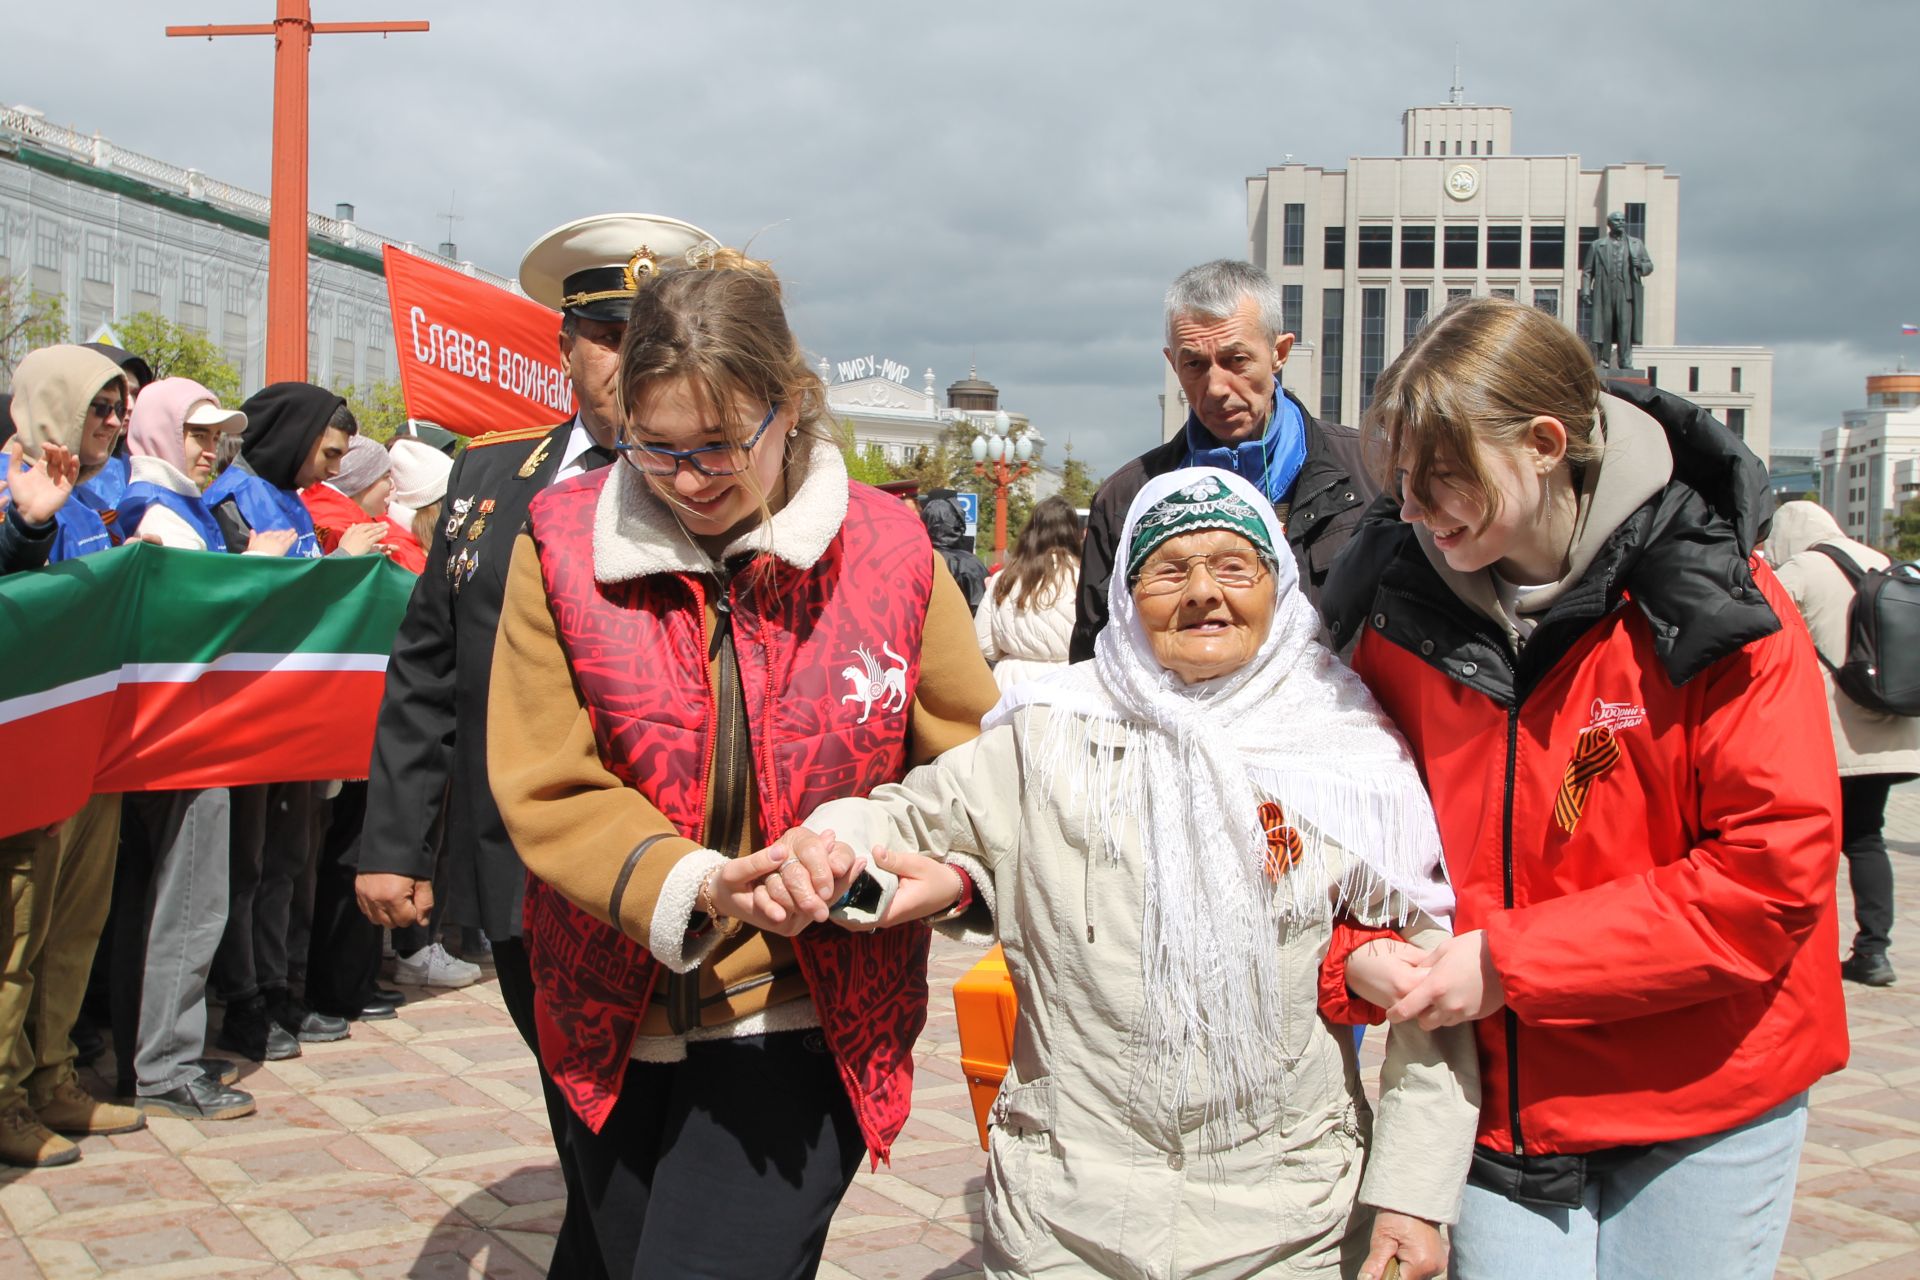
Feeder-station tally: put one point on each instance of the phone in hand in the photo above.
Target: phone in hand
(867, 898)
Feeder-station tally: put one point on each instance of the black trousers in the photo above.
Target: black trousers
(1863, 813)
(727, 1165)
(575, 1251)
(343, 950)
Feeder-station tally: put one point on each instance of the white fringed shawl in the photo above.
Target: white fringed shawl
(1195, 762)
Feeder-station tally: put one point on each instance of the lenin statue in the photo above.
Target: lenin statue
(1611, 281)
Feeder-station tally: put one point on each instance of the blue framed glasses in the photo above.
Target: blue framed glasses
(655, 461)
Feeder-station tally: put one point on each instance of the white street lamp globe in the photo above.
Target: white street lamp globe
(1000, 421)
(1023, 448)
(979, 448)
(996, 448)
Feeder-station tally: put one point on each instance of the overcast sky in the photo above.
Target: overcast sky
(1017, 183)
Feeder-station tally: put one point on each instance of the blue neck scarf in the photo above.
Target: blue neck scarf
(1270, 463)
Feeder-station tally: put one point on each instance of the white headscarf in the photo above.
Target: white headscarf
(1293, 726)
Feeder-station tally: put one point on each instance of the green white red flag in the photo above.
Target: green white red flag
(147, 669)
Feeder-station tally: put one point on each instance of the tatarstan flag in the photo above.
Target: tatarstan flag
(147, 668)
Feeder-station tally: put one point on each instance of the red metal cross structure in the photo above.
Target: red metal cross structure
(293, 30)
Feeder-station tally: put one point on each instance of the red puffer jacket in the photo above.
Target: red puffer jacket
(1640, 810)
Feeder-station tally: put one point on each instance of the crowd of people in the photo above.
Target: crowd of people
(1460, 723)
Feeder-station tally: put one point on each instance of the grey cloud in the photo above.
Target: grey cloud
(1018, 182)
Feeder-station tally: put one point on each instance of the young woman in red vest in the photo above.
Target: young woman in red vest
(1565, 618)
(699, 645)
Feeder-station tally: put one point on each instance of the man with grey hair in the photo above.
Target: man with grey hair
(1226, 344)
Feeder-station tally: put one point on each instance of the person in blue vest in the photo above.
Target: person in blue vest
(295, 436)
(104, 488)
(173, 436)
(76, 399)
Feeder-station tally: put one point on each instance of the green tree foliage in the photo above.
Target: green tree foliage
(1906, 532)
(868, 465)
(28, 319)
(379, 408)
(175, 351)
(1078, 484)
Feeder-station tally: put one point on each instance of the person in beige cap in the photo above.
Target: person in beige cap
(419, 474)
(432, 735)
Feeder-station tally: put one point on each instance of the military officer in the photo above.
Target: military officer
(431, 743)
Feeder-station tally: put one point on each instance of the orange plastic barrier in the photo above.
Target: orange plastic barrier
(984, 1002)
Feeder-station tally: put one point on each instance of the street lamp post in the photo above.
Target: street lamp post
(1005, 458)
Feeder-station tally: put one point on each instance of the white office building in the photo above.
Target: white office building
(1870, 464)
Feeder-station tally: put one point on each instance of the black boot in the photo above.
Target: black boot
(301, 1022)
(248, 1031)
(1867, 970)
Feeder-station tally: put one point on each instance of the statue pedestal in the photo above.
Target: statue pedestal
(1636, 376)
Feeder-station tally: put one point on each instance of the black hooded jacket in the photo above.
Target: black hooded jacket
(283, 422)
(947, 527)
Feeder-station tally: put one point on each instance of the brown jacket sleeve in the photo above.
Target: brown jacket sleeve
(955, 689)
(575, 824)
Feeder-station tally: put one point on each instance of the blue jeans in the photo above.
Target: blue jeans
(1711, 1208)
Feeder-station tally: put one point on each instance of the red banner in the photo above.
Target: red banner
(473, 357)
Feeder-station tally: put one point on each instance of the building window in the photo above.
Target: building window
(236, 293)
(1290, 307)
(1454, 295)
(1376, 248)
(1587, 236)
(1416, 248)
(1429, 150)
(1463, 248)
(1333, 256)
(1547, 300)
(1547, 248)
(46, 246)
(1293, 235)
(1637, 221)
(1373, 341)
(1474, 147)
(1737, 422)
(1653, 375)
(1416, 315)
(1503, 248)
(1333, 321)
(1693, 377)
(1501, 293)
(146, 270)
(193, 285)
(1736, 378)
(99, 261)
(1456, 146)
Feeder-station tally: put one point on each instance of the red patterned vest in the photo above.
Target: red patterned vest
(638, 652)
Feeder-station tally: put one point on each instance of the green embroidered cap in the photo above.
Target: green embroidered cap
(1205, 504)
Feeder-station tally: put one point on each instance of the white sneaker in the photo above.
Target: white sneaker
(434, 966)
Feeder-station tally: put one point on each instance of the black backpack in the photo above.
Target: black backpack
(1882, 668)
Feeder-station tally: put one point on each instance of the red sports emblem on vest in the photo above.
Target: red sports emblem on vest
(1284, 849)
(1594, 753)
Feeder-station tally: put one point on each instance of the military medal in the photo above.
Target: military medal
(478, 527)
(534, 459)
(460, 508)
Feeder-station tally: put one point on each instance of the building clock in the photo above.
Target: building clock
(1463, 181)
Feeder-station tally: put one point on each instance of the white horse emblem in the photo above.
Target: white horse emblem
(871, 684)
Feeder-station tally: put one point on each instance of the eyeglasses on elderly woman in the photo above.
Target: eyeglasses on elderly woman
(655, 460)
(1231, 568)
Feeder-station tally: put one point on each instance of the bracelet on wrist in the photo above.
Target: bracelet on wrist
(961, 905)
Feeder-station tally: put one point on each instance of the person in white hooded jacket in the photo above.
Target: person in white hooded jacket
(1875, 750)
(1025, 619)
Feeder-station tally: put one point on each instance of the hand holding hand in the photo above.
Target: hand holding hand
(1460, 985)
(1414, 1242)
(1383, 971)
(270, 542)
(393, 901)
(779, 889)
(41, 490)
(362, 538)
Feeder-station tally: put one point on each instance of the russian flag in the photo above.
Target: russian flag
(1910, 330)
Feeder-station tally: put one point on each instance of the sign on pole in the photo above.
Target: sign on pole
(970, 508)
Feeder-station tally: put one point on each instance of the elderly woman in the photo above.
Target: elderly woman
(1164, 839)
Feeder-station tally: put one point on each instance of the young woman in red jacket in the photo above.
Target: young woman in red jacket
(1564, 618)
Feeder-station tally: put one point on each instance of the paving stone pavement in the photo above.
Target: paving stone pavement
(419, 1149)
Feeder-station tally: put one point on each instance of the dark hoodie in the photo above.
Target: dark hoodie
(256, 492)
(947, 527)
